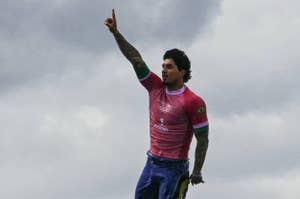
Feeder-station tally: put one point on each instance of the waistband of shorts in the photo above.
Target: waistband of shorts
(160, 159)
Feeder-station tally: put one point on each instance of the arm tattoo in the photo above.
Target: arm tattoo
(129, 51)
(200, 153)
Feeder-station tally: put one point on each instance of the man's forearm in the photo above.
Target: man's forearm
(129, 51)
(200, 153)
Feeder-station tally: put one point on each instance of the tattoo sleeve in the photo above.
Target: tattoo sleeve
(200, 152)
(132, 54)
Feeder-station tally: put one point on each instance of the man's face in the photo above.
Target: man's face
(171, 76)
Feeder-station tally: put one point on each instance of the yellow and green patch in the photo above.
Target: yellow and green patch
(201, 110)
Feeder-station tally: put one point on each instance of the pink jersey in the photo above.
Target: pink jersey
(173, 117)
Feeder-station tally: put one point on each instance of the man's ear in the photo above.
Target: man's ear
(183, 72)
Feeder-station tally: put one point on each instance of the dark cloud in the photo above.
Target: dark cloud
(42, 38)
(81, 23)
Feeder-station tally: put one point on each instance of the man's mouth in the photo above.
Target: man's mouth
(164, 77)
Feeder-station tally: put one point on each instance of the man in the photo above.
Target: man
(176, 113)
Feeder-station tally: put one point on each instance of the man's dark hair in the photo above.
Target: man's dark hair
(181, 60)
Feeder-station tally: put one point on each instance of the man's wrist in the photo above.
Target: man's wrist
(115, 32)
(198, 174)
(197, 171)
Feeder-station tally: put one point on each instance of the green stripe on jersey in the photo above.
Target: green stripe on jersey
(142, 72)
(201, 130)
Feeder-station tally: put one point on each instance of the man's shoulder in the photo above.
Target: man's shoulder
(192, 97)
(194, 104)
(151, 82)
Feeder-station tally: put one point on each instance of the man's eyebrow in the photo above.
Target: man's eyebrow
(167, 64)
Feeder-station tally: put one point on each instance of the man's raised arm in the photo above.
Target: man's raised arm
(126, 48)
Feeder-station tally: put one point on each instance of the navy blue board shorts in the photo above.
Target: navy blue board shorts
(163, 178)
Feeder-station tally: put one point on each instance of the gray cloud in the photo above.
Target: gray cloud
(48, 38)
(67, 139)
(250, 68)
(82, 24)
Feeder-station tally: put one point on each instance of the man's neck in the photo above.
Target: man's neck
(175, 87)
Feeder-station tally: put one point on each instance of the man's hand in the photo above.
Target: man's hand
(196, 179)
(111, 23)
(129, 51)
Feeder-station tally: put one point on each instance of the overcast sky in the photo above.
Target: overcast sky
(74, 118)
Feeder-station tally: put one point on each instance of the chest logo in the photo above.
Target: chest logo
(161, 121)
(161, 125)
(165, 108)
